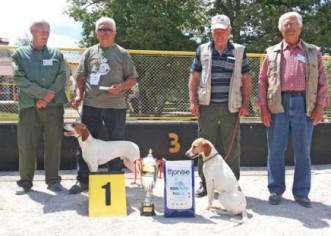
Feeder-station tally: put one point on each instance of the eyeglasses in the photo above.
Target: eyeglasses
(105, 30)
(290, 24)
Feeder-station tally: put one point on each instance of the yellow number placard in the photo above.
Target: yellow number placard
(107, 194)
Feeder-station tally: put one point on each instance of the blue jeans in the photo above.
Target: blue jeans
(94, 119)
(295, 124)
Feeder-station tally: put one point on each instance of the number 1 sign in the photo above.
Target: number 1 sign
(107, 194)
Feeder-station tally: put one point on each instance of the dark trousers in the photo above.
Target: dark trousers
(95, 119)
(36, 127)
(219, 126)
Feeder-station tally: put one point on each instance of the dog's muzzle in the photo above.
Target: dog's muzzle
(193, 157)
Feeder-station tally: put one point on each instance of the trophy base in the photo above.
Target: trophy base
(147, 210)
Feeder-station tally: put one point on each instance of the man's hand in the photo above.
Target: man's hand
(265, 115)
(194, 109)
(49, 96)
(244, 110)
(41, 103)
(317, 115)
(76, 103)
(115, 89)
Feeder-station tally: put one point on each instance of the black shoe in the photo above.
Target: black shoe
(22, 190)
(303, 201)
(78, 188)
(55, 187)
(201, 192)
(275, 199)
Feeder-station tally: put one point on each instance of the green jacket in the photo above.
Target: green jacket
(35, 72)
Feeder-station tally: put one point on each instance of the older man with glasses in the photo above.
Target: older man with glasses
(292, 94)
(105, 72)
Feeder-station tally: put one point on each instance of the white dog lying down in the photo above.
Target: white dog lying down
(97, 152)
(219, 177)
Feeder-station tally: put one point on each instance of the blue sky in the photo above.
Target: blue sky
(17, 15)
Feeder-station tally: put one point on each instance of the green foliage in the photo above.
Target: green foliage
(143, 24)
(182, 24)
(255, 22)
(23, 40)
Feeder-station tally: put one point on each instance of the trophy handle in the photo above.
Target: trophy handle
(138, 166)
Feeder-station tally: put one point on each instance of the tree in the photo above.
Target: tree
(255, 22)
(144, 24)
(23, 40)
(182, 24)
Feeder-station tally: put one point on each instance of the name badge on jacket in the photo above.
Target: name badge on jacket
(48, 62)
(301, 58)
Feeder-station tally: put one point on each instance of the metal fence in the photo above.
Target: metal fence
(161, 94)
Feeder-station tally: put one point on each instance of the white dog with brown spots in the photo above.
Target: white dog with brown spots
(97, 152)
(219, 177)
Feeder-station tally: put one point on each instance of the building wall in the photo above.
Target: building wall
(169, 140)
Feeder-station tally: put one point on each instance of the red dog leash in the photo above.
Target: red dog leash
(232, 140)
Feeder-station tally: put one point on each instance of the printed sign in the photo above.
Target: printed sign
(179, 189)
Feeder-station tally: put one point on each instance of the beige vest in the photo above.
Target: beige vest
(274, 92)
(204, 90)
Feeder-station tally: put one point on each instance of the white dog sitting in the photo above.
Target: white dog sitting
(97, 152)
(219, 177)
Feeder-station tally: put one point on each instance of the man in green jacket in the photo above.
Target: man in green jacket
(40, 76)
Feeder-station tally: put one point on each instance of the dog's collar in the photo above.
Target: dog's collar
(211, 157)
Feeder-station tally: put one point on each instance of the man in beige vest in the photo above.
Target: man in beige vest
(292, 94)
(219, 89)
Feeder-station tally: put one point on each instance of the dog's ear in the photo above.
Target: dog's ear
(84, 131)
(206, 148)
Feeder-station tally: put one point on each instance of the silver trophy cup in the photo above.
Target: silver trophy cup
(148, 176)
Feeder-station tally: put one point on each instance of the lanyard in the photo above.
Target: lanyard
(104, 54)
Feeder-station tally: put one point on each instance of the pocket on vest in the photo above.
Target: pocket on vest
(202, 96)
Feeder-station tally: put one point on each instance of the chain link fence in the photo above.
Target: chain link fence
(162, 93)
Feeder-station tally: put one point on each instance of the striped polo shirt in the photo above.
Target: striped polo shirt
(221, 72)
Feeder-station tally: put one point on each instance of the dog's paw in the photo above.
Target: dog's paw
(221, 211)
(214, 210)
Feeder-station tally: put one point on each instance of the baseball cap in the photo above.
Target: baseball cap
(220, 22)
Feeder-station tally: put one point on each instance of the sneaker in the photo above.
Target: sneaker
(78, 188)
(22, 190)
(303, 201)
(55, 187)
(201, 192)
(275, 199)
